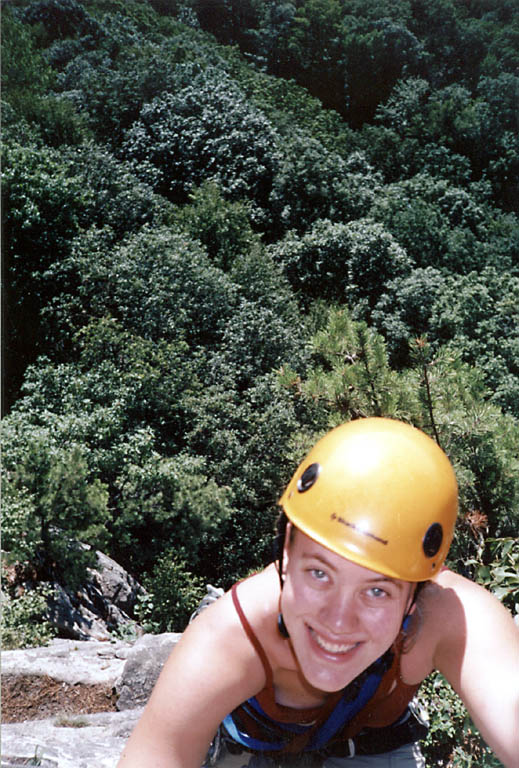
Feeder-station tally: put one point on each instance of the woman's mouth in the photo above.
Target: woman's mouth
(329, 647)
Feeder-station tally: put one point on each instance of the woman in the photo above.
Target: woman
(316, 658)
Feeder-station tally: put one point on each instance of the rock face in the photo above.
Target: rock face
(84, 741)
(70, 661)
(130, 668)
(142, 668)
(104, 604)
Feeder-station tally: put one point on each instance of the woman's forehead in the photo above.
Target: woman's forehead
(303, 547)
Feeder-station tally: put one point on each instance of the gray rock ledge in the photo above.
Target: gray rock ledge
(72, 661)
(78, 741)
(84, 741)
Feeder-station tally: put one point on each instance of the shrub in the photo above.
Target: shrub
(52, 503)
(173, 593)
(206, 130)
(453, 740)
(341, 262)
(24, 619)
(500, 574)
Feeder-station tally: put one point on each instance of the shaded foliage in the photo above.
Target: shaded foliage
(205, 269)
(207, 130)
(50, 197)
(313, 183)
(341, 262)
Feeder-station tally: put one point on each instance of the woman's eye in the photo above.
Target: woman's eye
(318, 574)
(377, 592)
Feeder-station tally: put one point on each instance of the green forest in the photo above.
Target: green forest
(229, 225)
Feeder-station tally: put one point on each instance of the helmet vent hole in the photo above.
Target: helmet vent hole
(432, 540)
(308, 477)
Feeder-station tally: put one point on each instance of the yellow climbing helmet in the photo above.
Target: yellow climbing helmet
(380, 493)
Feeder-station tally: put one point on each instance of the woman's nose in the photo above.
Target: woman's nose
(339, 613)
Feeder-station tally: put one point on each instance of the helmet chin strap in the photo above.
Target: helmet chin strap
(282, 629)
(281, 568)
(408, 614)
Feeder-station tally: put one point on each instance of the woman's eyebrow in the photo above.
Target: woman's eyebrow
(320, 558)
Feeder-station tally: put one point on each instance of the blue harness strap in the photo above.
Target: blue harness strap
(240, 737)
(276, 735)
(345, 710)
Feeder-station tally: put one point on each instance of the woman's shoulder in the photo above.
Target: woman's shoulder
(454, 610)
(446, 600)
(253, 606)
(217, 644)
(439, 621)
(260, 591)
(259, 597)
(450, 593)
(211, 670)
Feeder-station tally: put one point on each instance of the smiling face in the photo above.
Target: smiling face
(341, 616)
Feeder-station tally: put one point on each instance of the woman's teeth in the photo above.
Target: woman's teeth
(332, 647)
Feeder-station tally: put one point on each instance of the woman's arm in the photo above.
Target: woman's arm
(478, 653)
(210, 671)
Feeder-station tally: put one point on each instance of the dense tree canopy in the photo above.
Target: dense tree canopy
(228, 225)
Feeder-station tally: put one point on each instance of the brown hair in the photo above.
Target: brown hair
(412, 631)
